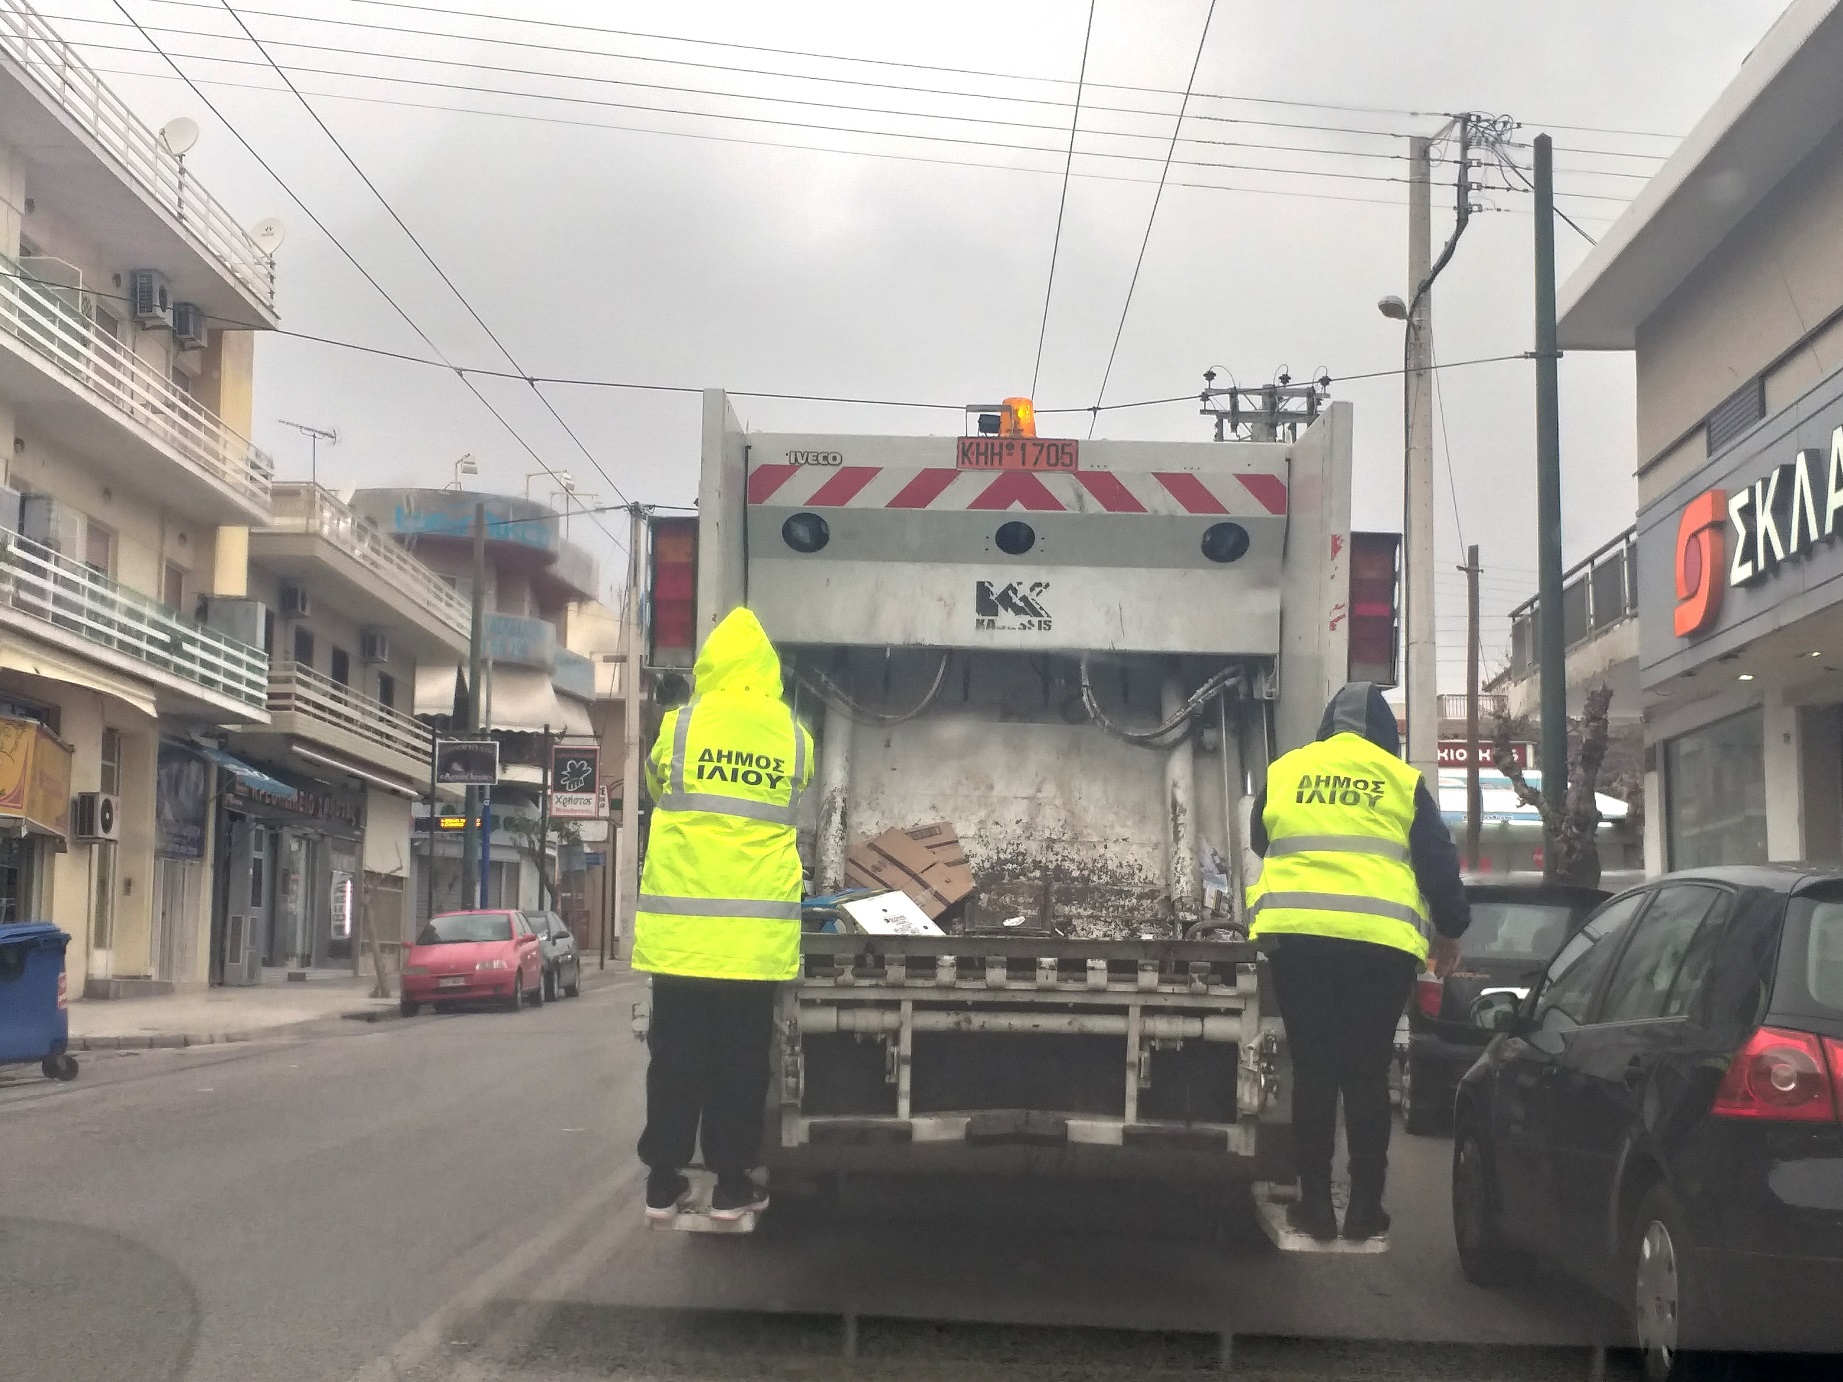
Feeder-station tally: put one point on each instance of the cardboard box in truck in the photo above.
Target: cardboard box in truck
(926, 862)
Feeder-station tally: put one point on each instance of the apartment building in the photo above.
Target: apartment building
(129, 302)
(537, 685)
(317, 840)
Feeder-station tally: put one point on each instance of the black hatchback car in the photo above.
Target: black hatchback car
(1661, 1117)
(1515, 928)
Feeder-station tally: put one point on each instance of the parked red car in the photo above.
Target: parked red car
(474, 956)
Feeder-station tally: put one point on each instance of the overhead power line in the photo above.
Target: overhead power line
(1062, 203)
(1152, 216)
(440, 272)
(339, 244)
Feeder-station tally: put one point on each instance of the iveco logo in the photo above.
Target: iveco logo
(815, 458)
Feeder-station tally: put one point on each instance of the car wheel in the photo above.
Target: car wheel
(1486, 1257)
(550, 986)
(1417, 1118)
(1670, 1316)
(573, 989)
(541, 989)
(517, 999)
(59, 1066)
(407, 1008)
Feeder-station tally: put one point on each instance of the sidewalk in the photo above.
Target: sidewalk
(220, 1014)
(244, 1014)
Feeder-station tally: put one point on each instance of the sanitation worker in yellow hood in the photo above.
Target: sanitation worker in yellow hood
(718, 925)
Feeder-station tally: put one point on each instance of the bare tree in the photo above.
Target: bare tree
(1571, 853)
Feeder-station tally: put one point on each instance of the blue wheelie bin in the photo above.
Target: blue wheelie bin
(34, 1019)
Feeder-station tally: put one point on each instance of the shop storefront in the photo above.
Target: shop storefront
(288, 888)
(34, 814)
(1741, 646)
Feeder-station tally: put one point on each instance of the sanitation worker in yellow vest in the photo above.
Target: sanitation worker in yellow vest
(718, 925)
(1359, 871)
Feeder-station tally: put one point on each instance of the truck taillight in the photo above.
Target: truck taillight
(673, 637)
(1374, 617)
(1782, 1076)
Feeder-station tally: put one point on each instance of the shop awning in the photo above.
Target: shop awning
(524, 701)
(253, 778)
(39, 661)
(435, 689)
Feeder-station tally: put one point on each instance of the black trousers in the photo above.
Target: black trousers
(708, 1074)
(1341, 1001)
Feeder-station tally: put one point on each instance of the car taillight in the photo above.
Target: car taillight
(1429, 995)
(1781, 1076)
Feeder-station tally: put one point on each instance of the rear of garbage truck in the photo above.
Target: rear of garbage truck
(1074, 658)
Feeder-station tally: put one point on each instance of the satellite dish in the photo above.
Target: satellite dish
(268, 233)
(179, 135)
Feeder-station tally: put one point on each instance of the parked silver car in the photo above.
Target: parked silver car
(562, 960)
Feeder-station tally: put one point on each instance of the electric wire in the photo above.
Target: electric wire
(1158, 736)
(339, 244)
(1062, 203)
(1152, 217)
(448, 282)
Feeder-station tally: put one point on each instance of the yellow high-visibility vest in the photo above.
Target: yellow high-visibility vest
(720, 893)
(1338, 816)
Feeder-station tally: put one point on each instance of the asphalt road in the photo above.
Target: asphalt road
(455, 1197)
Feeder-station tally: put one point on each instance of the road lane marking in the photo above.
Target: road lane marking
(430, 1338)
(528, 1317)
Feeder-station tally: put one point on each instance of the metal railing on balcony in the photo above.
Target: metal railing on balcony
(310, 509)
(1595, 594)
(44, 585)
(59, 70)
(51, 320)
(1491, 705)
(299, 690)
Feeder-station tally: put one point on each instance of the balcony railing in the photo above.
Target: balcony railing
(1491, 706)
(45, 585)
(57, 67)
(1595, 594)
(49, 318)
(309, 509)
(298, 690)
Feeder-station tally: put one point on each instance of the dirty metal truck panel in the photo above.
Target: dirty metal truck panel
(1106, 556)
(965, 1053)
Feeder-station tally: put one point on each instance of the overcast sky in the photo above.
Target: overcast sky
(621, 254)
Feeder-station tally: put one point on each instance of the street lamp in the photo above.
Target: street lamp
(1393, 308)
(562, 477)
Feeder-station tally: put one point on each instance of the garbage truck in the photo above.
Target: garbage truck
(1081, 656)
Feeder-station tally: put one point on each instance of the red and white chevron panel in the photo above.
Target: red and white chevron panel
(940, 490)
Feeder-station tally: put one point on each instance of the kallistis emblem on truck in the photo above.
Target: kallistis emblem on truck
(1017, 605)
(1778, 517)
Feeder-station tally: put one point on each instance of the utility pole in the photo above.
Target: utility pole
(544, 829)
(1423, 685)
(627, 871)
(1550, 639)
(1474, 801)
(471, 852)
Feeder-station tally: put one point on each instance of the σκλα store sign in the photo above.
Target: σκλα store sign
(1735, 538)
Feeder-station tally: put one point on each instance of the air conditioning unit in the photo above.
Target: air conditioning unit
(189, 329)
(98, 816)
(373, 645)
(149, 297)
(45, 521)
(295, 603)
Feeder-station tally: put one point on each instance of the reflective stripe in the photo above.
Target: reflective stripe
(719, 907)
(681, 736)
(1338, 844)
(726, 806)
(1335, 902)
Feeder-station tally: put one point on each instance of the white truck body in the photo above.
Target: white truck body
(956, 669)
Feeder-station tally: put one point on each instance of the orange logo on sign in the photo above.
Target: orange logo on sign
(1702, 558)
